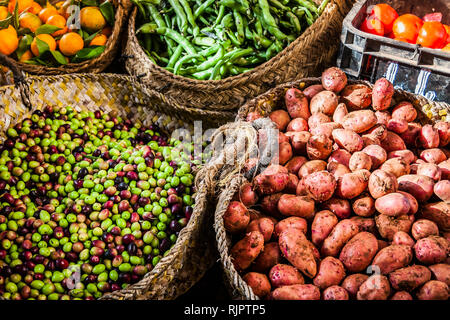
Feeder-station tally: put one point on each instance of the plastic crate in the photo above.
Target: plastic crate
(410, 67)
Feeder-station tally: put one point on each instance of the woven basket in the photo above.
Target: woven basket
(307, 56)
(96, 65)
(231, 179)
(194, 252)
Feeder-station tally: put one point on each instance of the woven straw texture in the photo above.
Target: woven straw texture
(230, 178)
(96, 65)
(194, 252)
(307, 56)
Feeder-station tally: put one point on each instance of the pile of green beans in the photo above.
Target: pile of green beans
(89, 203)
(215, 39)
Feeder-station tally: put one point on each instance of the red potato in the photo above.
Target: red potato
(311, 167)
(377, 155)
(301, 188)
(359, 251)
(397, 125)
(269, 204)
(392, 142)
(409, 278)
(429, 137)
(382, 244)
(247, 196)
(413, 204)
(320, 185)
(348, 139)
(338, 237)
(370, 139)
(378, 131)
(292, 184)
(285, 275)
(236, 217)
(434, 155)
(382, 183)
(297, 223)
(335, 293)
(382, 93)
(404, 111)
(407, 155)
(295, 164)
(280, 118)
(324, 221)
(365, 224)
(258, 282)
(296, 292)
(397, 166)
(360, 160)
(334, 79)
(364, 206)
(263, 225)
(270, 256)
(352, 283)
(282, 137)
(319, 147)
(443, 128)
(311, 91)
(376, 287)
(432, 249)
(272, 180)
(245, 251)
(325, 128)
(351, 185)
(324, 102)
(402, 238)
(441, 272)
(387, 226)
(433, 290)
(393, 204)
(297, 103)
(297, 124)
(445, 169)
(340, 207)
(393, 257)
(411, 134)
(419, 186)
(430, 170)
(298, 251)
(331, 272)
(340, 156)
(299, 206)
(337, 169)
(424, 228)
(316, 119)
(401, 295)
(357, 96)
(359, 121)
(383, 117)
(442, 190)
(298, 141)
(340, 112)
(285, 154)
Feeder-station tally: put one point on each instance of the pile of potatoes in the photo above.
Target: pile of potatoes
(356, 205)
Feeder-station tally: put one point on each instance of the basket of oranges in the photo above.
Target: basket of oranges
(52, 37)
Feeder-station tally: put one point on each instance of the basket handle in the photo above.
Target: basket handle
(19, 79)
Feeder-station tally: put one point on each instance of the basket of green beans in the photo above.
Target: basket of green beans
(217, 54)
(97, 200)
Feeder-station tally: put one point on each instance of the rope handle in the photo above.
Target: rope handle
(19, 79)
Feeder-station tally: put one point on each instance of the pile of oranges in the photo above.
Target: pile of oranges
(35, 18)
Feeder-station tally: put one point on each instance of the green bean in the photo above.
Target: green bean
(202, 8)
(220, 15)
(204, 41)
(261, 40)
(212, 60)
(175, 56)
(322, 7)
(269, 20)
(153, 28)
(277, 4)
(181, 16)
(232, 4)
(227, 21)
(294, 21)
(140, 8)
(233, 38)
(190, 17)
(308, 5)
(239, 26)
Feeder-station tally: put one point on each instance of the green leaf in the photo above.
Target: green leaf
(37, 61)
(88, 38)
(23, 31)
(16, 16)
(47, 29)
(24, 45)
(42, 46)
(89, 3)
(88, 53)
(4, 3)
(6, 22)
(58, 57)
(107, 10)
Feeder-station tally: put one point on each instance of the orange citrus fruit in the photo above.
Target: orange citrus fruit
(35, 8)
(3, 13)
(26, 56)
(107, 31)
(48, 39)
(23, 5)
(8, 40)
(99, 40)
(46, 13)
(91, 19)
(30, 21)
(63, 7)
(71, 43)
(58, 21)
(446, 48)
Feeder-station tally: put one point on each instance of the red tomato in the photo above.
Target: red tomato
(436, 16)
(432, 35)
(373, 25)
(407, 26)
(386, 14)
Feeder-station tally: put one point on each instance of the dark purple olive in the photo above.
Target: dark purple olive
(96, 153)
(92, 278)
(128, 238)
(115, 287)
(124, 278)
(174, 226)
(118, 180)
(72, 256)
(132, 249)
(173, 198)
(164, 245)
(51, 265)
(122, 186)
(176, 208)
(94, 260)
